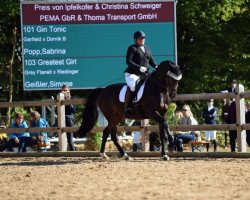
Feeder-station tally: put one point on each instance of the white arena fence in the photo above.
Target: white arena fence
(61, 130)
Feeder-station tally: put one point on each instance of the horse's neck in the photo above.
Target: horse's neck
(155, 89)
(156, 83)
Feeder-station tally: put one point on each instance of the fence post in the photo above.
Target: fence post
(144, 135)
(61, 123)
(240, 119)
(44, 112)
(52, 117)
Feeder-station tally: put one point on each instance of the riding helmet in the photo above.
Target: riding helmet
(139, 34)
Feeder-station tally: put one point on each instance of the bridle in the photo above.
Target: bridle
(170, 74)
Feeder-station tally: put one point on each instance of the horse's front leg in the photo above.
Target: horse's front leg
(163, 126)
(169, 137)
(162, 138)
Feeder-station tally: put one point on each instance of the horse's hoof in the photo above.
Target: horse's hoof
(126, 157)
(166, 158)
(104, 156)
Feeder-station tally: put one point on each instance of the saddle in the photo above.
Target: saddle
(139, 83)
(138, 91)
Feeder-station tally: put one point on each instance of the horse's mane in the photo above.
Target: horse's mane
(170, 66)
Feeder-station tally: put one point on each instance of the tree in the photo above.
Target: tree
(10, 48)
(213, 35)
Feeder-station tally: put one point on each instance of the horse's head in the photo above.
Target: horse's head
(169, 74)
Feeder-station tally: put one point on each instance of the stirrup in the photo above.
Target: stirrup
(128, 112)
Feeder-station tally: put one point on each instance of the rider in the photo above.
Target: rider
(138, 59)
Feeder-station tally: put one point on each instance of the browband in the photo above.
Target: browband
(174, 76)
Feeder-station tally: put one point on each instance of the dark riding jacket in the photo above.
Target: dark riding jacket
(136, 58)
(69, 117)
(209, 115)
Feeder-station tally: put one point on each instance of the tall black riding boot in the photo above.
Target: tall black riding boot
(128, 102)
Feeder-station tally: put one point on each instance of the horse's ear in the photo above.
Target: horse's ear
(183, 67)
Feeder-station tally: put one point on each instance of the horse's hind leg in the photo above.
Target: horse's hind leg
(118, 146)
(114, 138)
(105, 136)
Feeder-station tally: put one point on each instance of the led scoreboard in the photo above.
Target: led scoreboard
(84, 44)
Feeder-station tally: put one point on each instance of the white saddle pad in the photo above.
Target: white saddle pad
(124, 90)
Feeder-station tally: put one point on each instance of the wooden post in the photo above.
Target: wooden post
(52, 113)
(52, 117)
(144, 135)
(61, 123)
(44, 112)
(240, 119)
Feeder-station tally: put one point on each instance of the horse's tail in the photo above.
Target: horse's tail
(89, 114)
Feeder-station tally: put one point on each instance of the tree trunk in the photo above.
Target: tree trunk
(11, 70)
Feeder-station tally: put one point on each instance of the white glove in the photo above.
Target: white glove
(156, 66)
(143, 69)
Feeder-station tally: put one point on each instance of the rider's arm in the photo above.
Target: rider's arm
(151, 59)
(129, 58)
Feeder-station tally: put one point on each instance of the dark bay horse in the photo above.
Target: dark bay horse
(160, 87)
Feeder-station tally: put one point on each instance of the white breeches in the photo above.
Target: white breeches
(131, 80)
(210, 135)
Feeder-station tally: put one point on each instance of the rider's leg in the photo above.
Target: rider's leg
(128, 102)
(131, 82)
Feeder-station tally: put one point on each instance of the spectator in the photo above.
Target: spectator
(185, 137)
(37, 121)
(69, 117)
(232, 88)
(232, 120)
(137, 137)
(224, 116)
(248, 121)
(209, 114)
(226, 104)
(3, 139)
(178, 117)
(20, 140)
(154, 141)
